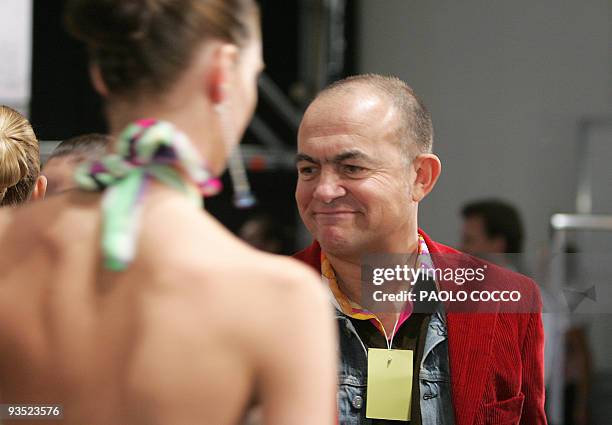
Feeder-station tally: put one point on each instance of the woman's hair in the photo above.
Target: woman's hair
(146, 44)
(19, 157)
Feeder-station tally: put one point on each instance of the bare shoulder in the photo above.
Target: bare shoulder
(251, 276)
(265, 288)
(219, 279)
(281, 291)
(286, 279)
(206, 247)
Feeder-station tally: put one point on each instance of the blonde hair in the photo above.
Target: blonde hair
(19, 157)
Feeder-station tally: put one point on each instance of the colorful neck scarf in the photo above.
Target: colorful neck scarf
(147, 149)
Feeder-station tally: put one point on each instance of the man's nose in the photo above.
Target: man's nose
(329, 187)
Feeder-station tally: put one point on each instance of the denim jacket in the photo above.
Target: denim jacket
(434, 376)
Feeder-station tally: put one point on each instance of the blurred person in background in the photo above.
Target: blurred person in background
(62, 163)
(493, 229)
(135, 306)
(20, 179)
(262, 233)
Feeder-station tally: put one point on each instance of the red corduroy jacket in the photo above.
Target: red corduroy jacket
(496, 358)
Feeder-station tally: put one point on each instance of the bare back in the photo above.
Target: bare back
(189, 333)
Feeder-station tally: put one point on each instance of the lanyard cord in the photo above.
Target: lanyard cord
(387, 340)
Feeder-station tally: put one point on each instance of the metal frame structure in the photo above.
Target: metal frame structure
(583, 219)
(323, 44)
(584, 197)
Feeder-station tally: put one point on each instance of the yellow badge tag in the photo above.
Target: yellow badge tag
(389, 384)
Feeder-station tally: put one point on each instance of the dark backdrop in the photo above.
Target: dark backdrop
(64, 103)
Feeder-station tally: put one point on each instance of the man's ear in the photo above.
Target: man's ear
(427, 168)
(220, 74)
(96, 79)
(40, 188)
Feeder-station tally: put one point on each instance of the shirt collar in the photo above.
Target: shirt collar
(353, 309)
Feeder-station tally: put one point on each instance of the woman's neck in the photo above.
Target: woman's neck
(194, 119)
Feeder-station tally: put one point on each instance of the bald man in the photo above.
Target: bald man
(365, 164)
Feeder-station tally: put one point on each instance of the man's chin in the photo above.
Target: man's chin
(336, 246)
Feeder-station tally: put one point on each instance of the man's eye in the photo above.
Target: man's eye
(306, 171)
(352, 169)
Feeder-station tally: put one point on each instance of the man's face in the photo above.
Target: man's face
(353, 191)
(474, 238)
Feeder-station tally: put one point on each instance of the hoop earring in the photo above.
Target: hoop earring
(243, 196)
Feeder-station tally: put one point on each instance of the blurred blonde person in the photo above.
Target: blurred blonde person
(20, 178)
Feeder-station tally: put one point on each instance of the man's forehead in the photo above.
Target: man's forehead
(349, 109)
(327, 143)
(337, 126)
(334, 155)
